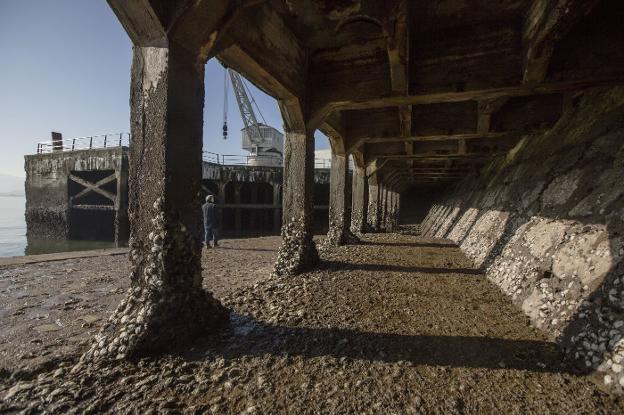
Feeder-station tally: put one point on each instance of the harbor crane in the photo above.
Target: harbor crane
(264, 143)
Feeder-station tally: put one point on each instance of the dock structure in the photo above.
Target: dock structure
(78, 192)
(78, 189)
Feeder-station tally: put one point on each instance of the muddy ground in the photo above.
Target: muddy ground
(398, 324)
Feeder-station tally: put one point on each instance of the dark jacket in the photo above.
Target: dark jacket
(209, 211)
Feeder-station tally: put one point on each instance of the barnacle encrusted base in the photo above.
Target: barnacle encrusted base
(297, 252)
(166, 306)
(339, 235)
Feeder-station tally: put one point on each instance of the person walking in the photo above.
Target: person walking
(209, 213)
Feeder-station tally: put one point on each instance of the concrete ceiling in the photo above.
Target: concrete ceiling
(420, 92)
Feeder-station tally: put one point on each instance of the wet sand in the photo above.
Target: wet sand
(397, 324)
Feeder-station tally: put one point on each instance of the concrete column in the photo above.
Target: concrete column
(277, 188)
(383, 194)
(339, 232)
(390, 218)
(238, 222)
(298, 251)
(220, 197)
(395, 215)
(373, 204)
(398, 209)
(253, 212)
(166, 304)
(397, 199)
(388, 209)
(122, 226)
(359, 201)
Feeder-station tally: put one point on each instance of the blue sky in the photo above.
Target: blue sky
(65, 67)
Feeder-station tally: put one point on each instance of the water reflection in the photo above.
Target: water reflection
(36, 246)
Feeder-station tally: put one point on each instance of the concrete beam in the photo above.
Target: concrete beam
(485, 110)
(468, 157)
(334, 129)
(546, 22)
(276, 62)
(443, 137)
(365, 100)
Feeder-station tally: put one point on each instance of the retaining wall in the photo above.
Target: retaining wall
(546, 224)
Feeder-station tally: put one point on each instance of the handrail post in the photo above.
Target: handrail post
(120, 136)
(73, 144)
(105, 136)
(90, 142)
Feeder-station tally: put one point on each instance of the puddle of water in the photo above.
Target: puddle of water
(242, 325)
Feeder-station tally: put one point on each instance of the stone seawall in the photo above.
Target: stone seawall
(546, 224)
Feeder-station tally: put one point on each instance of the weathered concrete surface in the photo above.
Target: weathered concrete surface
(49, 205)
(166, 304)
(253, 174)
(547, 223)
(359, 201)
(298, 251)
(374, 205)
(339, 232)
(393, 211)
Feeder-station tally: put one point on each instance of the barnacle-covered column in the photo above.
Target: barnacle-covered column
(339, 232)
(298, 251)
(359, 201)
(383, 192)
(166, 304)
(391, 212)
(373, 204)
(277, 201)
(397, 209)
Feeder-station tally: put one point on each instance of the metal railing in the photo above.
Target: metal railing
(123, 139)
(84, 143)
(251, 160)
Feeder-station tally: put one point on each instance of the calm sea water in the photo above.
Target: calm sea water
(13, 240)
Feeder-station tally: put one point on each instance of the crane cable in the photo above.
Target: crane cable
(225, 103)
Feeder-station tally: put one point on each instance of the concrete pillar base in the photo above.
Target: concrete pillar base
(338, 236)
(298, 252)
(163, 309)
(148, 322)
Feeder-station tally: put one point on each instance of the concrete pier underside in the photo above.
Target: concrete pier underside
(503, 112)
